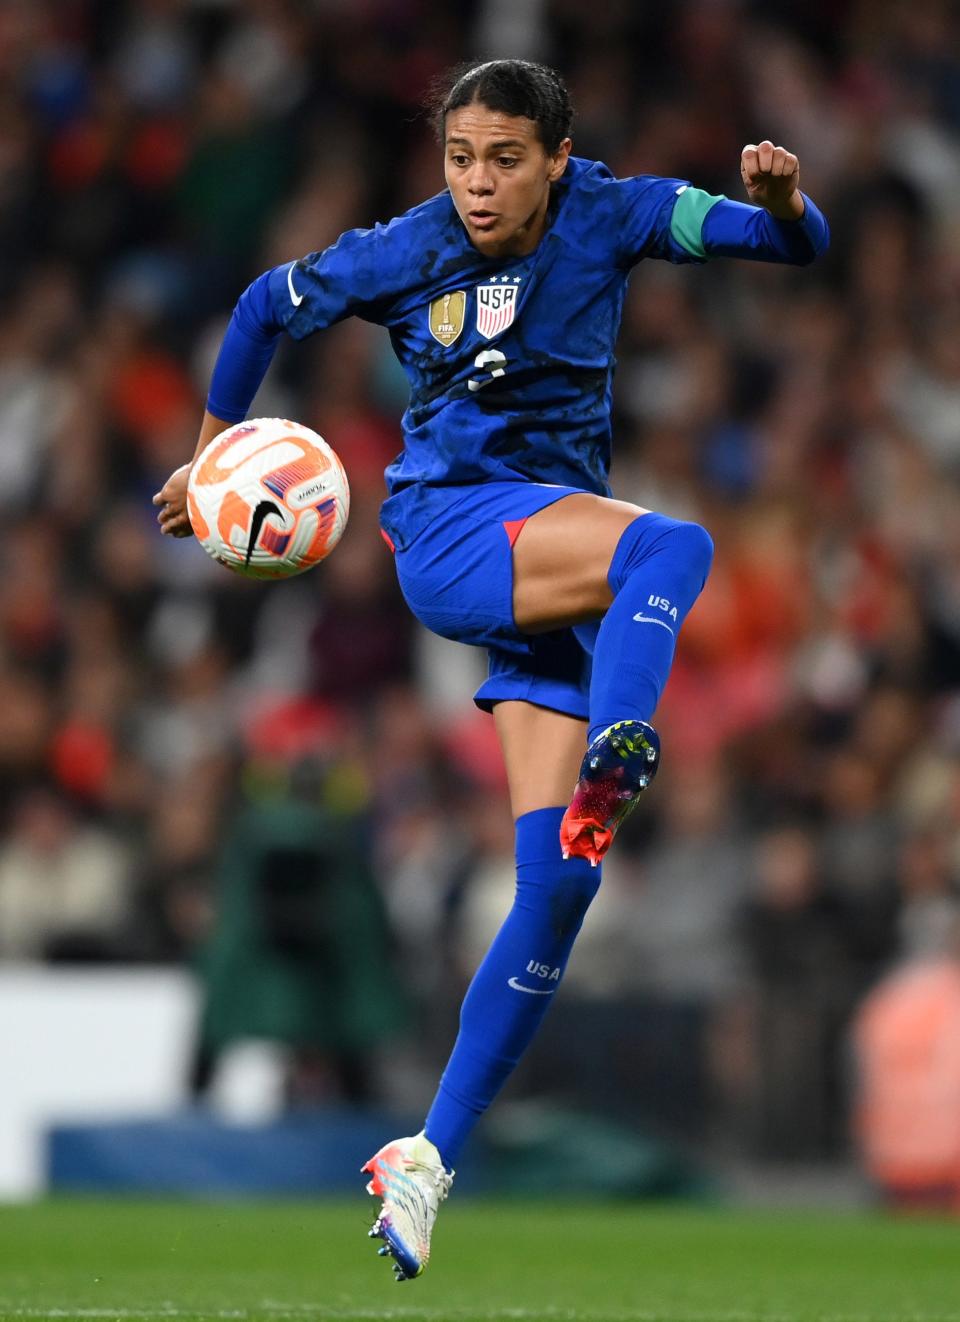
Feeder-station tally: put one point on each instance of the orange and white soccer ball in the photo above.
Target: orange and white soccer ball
(268, 498)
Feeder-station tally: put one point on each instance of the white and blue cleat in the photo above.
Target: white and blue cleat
(409, 1178)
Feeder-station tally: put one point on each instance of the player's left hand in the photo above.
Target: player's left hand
(771, 176)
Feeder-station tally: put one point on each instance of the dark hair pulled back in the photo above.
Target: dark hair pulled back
(514, 87)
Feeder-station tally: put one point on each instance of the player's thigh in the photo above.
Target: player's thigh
(542, 751)
(561, 558)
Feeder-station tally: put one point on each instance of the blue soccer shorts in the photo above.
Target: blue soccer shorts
(457, 578)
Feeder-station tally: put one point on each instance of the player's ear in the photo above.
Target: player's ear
(558, 161)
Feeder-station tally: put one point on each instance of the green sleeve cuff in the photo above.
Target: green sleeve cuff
(686, 223)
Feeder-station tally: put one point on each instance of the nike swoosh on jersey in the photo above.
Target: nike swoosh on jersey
(531, 991)
(295, 298)
(652, 619)
(264, 508)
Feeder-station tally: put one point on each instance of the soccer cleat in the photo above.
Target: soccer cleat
(618, 765)
(410, 1178)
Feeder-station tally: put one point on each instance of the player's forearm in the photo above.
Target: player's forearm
(735, 229)
(210, 427)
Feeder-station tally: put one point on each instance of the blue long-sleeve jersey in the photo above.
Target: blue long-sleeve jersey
(510, 360)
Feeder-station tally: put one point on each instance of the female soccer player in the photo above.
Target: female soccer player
(503, 296)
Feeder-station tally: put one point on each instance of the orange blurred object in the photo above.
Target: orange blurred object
(907, 1036)
(150, 392)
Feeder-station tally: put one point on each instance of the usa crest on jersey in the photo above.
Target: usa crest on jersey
(496, 306)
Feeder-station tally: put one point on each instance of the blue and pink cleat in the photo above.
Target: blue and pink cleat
(619, 764)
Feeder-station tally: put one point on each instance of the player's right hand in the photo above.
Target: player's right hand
(172, 500)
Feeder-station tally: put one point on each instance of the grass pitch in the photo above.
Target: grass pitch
(493, 1262)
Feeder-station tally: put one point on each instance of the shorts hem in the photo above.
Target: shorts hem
(567, 703)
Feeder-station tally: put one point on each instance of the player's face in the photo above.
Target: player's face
(499, 175)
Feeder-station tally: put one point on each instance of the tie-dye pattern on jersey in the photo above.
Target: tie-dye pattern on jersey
(510, 362)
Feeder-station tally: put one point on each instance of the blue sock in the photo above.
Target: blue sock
(516, 982)
(657, 572)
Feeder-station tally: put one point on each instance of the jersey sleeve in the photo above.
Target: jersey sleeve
(659, 217)
(357, 276)
(735, 229)
(673, 220)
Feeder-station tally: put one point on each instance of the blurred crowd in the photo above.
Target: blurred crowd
(801, 853)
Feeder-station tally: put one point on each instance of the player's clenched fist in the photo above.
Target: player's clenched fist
(771, 176)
